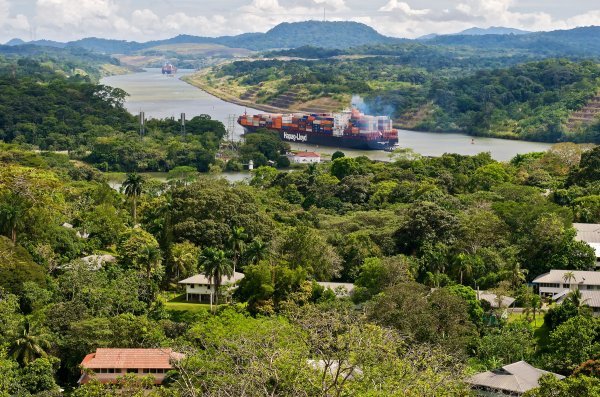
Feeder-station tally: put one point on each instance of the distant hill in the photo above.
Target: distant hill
(491, 30)
(579, 42)
(285, 35)
(576, 43)
(312, 33)
(14, 41)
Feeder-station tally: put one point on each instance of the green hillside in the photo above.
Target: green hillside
(530, 101)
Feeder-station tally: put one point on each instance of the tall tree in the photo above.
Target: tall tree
(24, 190)
(256, 251)
(237, 243)
(215, 264)
(133, 187)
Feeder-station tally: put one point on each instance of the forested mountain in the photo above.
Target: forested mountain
(284, 35)
(579, 42)
(491, 30)
(69, 60)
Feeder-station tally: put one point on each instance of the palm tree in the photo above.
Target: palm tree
(465, 265)
(12, 213)
(32, 343)
(215, 265)
(516, 274)
(133, 185)
(576, 299)
(237, 243)
(568, 277)
(536, 305)
(153, 258)
(256, 251)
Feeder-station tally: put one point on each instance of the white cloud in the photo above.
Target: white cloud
(73, 19)
(395, 5)
(15, 25)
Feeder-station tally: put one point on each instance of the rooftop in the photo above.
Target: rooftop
(516, 378)
(202, 279)
(588, 232)
(307, 154)
(131, 358)
(590, 298)
(492, 298)
(558, 277)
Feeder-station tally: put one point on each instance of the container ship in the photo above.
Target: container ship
(168, 68)
(349, 129)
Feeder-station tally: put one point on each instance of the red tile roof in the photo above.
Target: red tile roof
(307, 154)
(130, 358)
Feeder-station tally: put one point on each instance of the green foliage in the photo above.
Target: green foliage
(17, 267)
(38, 376)
(263, 146)
(583, 386)
(306, 248)
(139, 250)
(511, 343)
(574, 342)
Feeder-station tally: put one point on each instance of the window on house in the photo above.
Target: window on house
(132, 370)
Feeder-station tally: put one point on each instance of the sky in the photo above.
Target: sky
(143, 20)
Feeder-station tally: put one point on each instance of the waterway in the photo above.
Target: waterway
(162, 96)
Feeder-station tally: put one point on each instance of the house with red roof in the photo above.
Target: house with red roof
(107, 365)
(305, 157)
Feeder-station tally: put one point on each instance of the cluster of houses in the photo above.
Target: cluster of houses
(107, 365)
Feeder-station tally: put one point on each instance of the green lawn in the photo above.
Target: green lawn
(180, 309)
(539, 319)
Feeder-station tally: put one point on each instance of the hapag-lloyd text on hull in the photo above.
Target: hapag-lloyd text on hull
(295, 137)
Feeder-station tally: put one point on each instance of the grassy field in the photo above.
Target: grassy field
(179, 309)
(539, 319)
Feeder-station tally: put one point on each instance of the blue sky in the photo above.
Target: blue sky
(154, 19)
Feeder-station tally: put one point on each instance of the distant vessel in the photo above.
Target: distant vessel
(350, 128)
(168, 68)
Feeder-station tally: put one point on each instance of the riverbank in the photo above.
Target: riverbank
(196, 80)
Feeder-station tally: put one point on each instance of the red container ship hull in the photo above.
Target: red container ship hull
(328, 140)
(350, 129)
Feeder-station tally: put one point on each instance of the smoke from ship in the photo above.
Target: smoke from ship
(373, 106)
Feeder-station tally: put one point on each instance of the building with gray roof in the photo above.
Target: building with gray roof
(510, 380)
(589, 233)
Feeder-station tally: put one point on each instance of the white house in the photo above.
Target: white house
(201, 289)
(555, 282)
(556, 286)
(305, 158)
(589, 233)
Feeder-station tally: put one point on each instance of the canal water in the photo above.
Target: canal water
(162, 96)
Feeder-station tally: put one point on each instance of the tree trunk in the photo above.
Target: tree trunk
(13, 234)
(134, 210)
